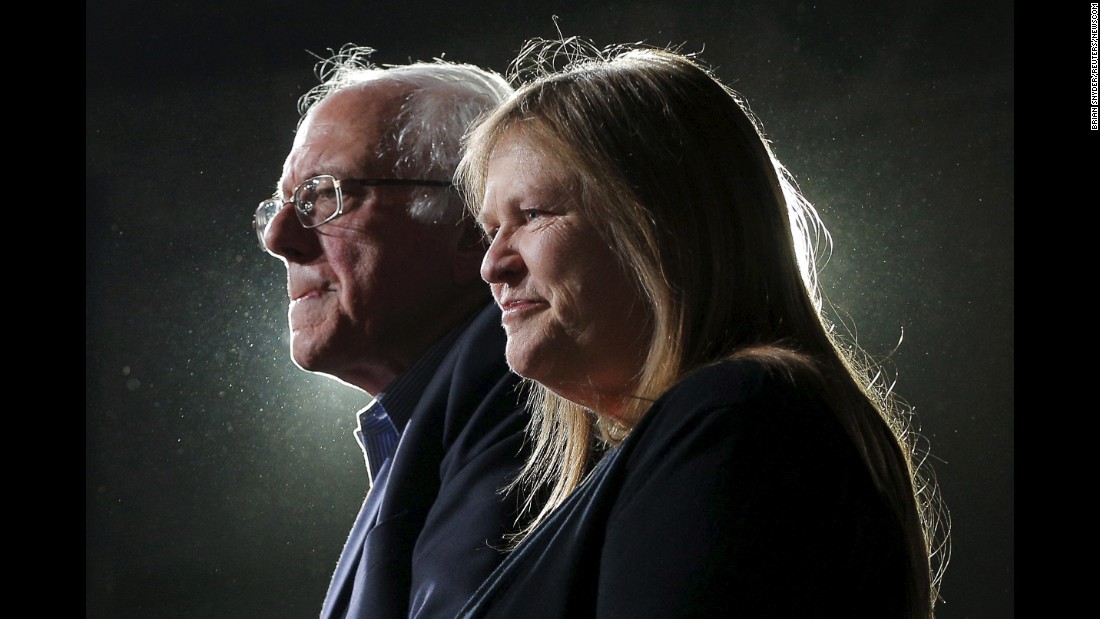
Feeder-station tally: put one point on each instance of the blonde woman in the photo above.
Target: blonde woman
(707, 446)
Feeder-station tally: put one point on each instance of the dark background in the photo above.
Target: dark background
(221, 480)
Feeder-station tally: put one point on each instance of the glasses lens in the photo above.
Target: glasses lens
(265, 214)
(317, 200)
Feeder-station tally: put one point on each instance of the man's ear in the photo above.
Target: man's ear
(470, 252)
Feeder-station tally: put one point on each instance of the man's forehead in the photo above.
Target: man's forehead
(343, 134)
(377, 100)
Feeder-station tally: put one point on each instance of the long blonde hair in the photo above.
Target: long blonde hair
(699, 212)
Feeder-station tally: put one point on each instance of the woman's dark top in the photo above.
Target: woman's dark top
(737, 495)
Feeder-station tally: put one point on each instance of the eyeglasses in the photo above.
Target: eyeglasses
(320, 199)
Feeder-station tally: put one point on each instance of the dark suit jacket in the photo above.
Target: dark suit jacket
(737, 495)
(428, 532)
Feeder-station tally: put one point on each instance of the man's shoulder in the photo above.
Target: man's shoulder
(477, 354)
(473, 389)
(482, 334)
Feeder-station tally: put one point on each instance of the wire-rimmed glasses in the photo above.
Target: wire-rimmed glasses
(320, 199)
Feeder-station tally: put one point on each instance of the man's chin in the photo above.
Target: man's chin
(305, 364)
(307, 352)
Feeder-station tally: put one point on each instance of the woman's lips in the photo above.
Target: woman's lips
(517, 307)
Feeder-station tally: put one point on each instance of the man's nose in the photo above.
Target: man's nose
(287, 238)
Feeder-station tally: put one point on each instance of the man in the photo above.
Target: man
(385, 295)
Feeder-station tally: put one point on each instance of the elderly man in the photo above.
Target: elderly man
(385, 295)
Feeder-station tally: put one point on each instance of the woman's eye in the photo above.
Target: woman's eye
(531, 215)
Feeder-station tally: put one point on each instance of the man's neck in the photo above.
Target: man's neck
(402, 394)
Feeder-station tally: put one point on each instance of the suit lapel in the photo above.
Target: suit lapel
(339, 596)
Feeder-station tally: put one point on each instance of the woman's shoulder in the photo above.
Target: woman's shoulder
(762, 395)
(762, 414)
(752, 374)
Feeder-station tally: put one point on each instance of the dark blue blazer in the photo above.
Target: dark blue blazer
(430, 530)
(737, 495)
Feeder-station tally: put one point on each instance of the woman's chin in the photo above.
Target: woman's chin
(537, 364)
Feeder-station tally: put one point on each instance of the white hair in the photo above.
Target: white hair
(444, 99)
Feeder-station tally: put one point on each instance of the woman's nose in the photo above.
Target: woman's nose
(502, 263)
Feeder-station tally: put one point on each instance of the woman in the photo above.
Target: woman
(704, 444)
